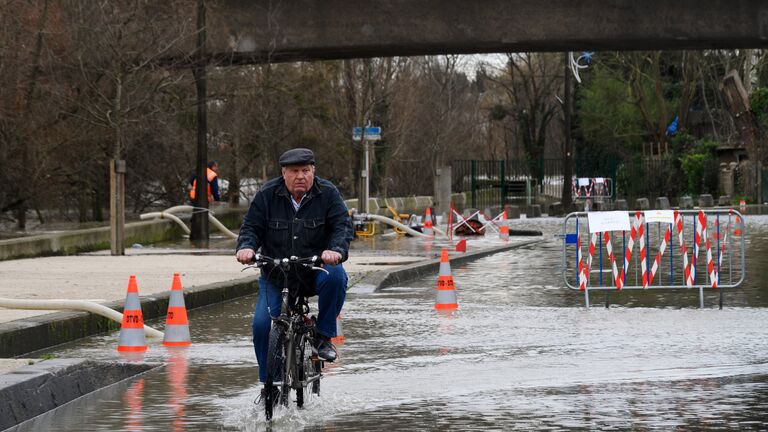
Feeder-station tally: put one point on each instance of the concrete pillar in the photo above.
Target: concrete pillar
(662, 203)
(513, 211)
(642, 204)
(724, 200)
(533, 210)
(686, 203)
(621, 204)
(706, 200)
(443, 190)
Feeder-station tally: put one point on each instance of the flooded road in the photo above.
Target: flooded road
(521, 353)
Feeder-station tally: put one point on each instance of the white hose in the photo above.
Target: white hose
(221, 227)
(166, 214)
(72, 305)
(180, 209)
(397, 224)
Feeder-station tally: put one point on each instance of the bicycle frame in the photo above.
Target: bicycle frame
(296, 337)
(294, 321)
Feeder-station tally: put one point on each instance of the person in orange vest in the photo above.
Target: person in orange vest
(213, 183)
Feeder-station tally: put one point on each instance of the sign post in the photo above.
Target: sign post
(366, 135)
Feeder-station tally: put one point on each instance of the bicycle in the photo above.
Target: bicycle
(292, 361)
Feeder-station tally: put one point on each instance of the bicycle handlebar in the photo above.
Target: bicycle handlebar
(312, 263)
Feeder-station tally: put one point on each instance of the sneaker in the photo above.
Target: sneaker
(325, 349)
(263, 396)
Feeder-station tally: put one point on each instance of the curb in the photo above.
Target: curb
(33, 390)
(376, 281)
(39, 332)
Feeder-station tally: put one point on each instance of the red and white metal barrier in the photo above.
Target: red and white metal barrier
(652, 230)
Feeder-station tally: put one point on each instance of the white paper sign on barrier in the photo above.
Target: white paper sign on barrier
(583, 182)
(663, 216)
(608, 221)
(599, 180)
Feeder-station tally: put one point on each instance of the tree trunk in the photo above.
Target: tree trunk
(234, 176)
(199, 232)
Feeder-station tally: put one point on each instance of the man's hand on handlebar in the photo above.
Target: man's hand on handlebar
(331, 257)
(245, 256)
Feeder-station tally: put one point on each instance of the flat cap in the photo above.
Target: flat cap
(297, 156)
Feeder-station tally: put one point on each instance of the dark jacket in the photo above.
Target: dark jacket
(321, 223)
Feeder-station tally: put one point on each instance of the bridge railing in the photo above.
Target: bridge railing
(660, 249)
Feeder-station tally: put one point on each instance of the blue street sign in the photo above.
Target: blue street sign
(570, 238)
(371, 133)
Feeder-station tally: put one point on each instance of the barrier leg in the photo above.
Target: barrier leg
(721, 299)
(586, 297)
(701, 298)
(607, 299)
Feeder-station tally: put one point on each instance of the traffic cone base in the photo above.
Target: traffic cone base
(173, 344)
(132, 337)
(339, 338)
(176, 323)
(122, 348)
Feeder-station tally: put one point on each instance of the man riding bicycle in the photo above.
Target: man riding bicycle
(301, 215)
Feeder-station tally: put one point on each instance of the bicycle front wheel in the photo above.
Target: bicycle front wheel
(275, 369)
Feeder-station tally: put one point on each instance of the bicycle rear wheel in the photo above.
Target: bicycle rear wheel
(306, 370)
(275, 369)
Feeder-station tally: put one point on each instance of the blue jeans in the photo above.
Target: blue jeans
(331, 289)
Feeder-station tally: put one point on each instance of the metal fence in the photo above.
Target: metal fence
(609, 260)
(500, 182)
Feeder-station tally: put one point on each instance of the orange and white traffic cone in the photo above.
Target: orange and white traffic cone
(446, 293)
(737, 229)
(504, 230)
(504, 233)
(339, 338)
(176, 323)
(428, 223)
(132, 327)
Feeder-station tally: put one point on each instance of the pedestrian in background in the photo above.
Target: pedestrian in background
(212, 173)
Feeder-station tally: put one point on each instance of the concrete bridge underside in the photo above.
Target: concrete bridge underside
(255, 31)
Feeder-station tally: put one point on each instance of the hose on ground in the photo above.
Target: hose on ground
(168, 214)
(394, 223)
(81, 305)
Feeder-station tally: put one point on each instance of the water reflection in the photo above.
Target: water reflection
(178, 369)
(134, 400)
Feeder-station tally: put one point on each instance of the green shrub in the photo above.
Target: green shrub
(700, 168)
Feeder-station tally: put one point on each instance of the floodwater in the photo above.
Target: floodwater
(521, 353)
